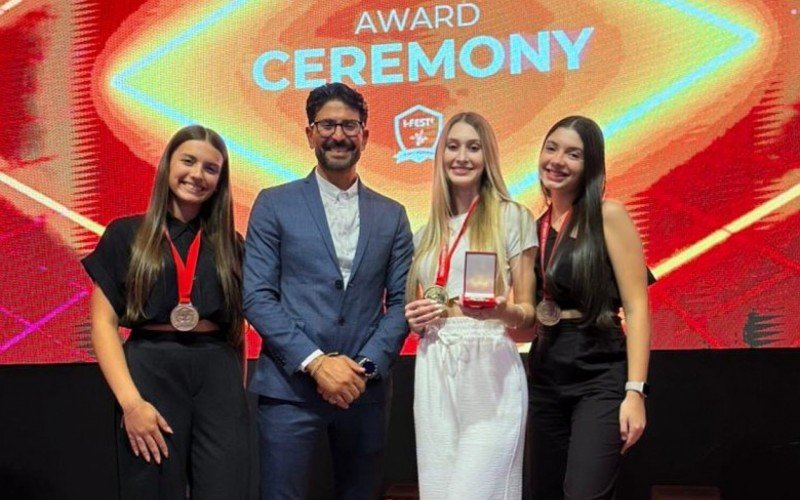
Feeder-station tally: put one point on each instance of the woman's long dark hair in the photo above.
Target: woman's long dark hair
(216, 219)
(590, 272)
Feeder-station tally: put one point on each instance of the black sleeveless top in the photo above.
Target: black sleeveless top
(566, 352)
(563, 288)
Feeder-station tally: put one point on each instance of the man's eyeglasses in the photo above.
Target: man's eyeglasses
(327, 128)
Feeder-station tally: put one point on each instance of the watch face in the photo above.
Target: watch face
(369, 367)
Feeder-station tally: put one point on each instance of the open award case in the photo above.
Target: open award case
(480, 269)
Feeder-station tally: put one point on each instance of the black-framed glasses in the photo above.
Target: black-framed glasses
(327, 128)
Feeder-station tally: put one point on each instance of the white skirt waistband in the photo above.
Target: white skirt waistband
(464, 328)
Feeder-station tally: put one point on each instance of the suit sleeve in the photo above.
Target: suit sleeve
(385, 343)
(285, 339)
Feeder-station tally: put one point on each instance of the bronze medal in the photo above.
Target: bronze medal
(184, 317)
(548, 313)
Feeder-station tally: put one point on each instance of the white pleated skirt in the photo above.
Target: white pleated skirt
(470, 406)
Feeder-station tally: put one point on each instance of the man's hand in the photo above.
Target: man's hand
(340, 380)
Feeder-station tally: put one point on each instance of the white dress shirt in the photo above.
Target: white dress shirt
(341, 212)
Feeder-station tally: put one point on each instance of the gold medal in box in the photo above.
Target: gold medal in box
(480, 270)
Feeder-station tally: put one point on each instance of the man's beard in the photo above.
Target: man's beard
(337, 165)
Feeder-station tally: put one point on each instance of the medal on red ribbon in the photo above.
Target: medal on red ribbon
(548, 312)
(438, 291)
(184, 317)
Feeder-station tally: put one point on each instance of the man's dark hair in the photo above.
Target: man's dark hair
(335, 92)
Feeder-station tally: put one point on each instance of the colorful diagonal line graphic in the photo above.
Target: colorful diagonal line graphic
(33, 327)
(720, 235)
(51, 204)
(9, 5)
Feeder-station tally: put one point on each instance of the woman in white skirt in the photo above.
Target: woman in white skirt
(470, 395)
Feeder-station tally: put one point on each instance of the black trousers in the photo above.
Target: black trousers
(576, 388)
(195, 382)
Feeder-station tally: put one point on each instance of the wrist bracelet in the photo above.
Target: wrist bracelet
(316, 368)
(519, 323)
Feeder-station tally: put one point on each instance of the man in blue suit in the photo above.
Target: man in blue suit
(325, 268)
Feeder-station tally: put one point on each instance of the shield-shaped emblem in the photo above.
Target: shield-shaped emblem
(417, 131)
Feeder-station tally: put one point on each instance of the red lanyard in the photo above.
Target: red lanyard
(445, 255)
(185, 271)
(544, 230)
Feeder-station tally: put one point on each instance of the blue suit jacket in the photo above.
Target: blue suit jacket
(293, 292)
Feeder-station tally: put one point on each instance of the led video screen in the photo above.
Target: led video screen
(698, 99)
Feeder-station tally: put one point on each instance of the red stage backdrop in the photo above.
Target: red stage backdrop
(699, 101)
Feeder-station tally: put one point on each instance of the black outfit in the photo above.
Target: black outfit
(577, 383)
(193, 379)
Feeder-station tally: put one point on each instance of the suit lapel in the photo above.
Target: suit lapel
(314, 204)
(366, 215)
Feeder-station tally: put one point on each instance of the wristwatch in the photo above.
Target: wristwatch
(370, 368)
(642, 388)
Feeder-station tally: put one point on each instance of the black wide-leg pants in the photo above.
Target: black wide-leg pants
(195, 382)
(577, 385)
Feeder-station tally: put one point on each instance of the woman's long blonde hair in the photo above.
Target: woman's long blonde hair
(216, 219)
(486, 227)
